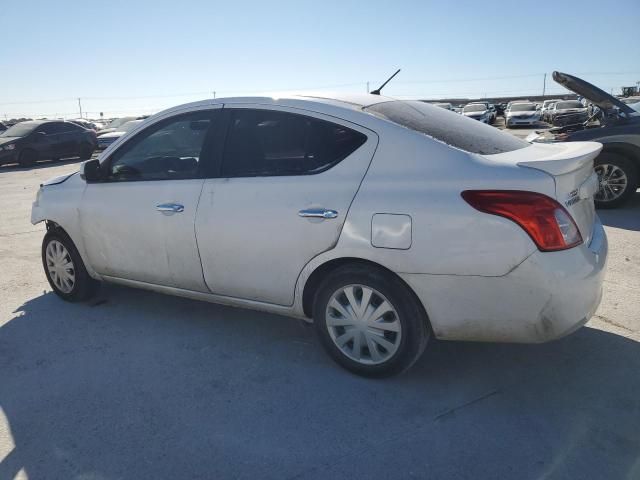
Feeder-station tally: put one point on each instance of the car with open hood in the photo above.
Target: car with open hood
(614, 124)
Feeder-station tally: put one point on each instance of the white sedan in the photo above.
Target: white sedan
(384, 222)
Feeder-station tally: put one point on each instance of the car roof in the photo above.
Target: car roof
(323, 101)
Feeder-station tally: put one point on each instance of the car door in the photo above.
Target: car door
(68, 138)
(138, 223)
(46, 141)
(283, 187)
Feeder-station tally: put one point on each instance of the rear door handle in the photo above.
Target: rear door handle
(170, 208)
(318, 213)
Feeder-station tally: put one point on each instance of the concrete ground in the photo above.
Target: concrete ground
(136, 385)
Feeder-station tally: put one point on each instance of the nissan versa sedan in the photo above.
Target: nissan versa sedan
(384, 222)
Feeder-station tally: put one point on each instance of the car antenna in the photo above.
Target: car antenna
(379, 89)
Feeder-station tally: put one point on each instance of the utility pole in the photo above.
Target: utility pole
(544, 84)
(367, 87)
(214, 94)
(80, 107)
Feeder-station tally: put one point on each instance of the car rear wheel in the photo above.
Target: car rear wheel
(64, 268)
(618, 180)
(369, 321)
(27, 158)
(85, 152)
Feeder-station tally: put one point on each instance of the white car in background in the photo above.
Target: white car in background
(385, 222)
(446, 106)
(114, 125)
(479, 111)
(107, 139)
(521, 114)
(546, 107)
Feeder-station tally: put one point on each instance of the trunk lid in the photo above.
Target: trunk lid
(571, 166)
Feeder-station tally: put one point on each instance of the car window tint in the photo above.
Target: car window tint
(48, 128)
(167, 151)
(448, 127)
(70, 127)
(271, 143)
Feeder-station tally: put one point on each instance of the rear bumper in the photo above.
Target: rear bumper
(548, 296)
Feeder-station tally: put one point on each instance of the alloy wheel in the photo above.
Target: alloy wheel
(363, 324)
(60, 266)
(612, 182)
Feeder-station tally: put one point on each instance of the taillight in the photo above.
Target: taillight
(546, 221)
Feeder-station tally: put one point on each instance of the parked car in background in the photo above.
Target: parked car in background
(446, 106)
(115, 124)
(546, 107)
(3, 127)
(27, 142)
(617, 128)
(84, 123)
(566, 112)
(339, 219)
(478, 111)
(522, 113)
(108, 138)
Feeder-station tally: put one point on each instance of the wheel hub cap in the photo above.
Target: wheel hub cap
(60, 266)
(363, 324)
(612, 182)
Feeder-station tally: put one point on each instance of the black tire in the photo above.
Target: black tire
(84, 287)
(27, 157)
(629, 169)
(85, 152)
(412, 317)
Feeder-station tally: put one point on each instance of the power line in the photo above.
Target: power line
(207, 94)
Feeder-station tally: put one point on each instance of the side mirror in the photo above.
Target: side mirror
(90, 171)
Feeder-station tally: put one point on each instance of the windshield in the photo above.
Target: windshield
(130, 125)
(475, 108)
(635, 106)
(448, 127)
(571, 104)
(523, 107)
(20, 130)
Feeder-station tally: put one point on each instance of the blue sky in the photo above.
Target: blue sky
(126, 57)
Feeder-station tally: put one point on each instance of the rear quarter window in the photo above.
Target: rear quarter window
(448, 127)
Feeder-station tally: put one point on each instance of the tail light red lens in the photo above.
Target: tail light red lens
(548, 224)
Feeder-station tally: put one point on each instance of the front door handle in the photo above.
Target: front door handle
(170, 208)
(318, 213)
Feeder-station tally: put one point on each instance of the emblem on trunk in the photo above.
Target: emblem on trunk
(573, 197)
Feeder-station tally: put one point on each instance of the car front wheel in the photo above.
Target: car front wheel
(369, 321)
(64, 268)
(618, 180)
(27, 158)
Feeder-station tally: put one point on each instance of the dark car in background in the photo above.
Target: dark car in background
(3, 127)
(27, 142)
(616, 126)
(567, 112)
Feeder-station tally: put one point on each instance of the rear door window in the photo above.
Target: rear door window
(273, 143)
(448, 127)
